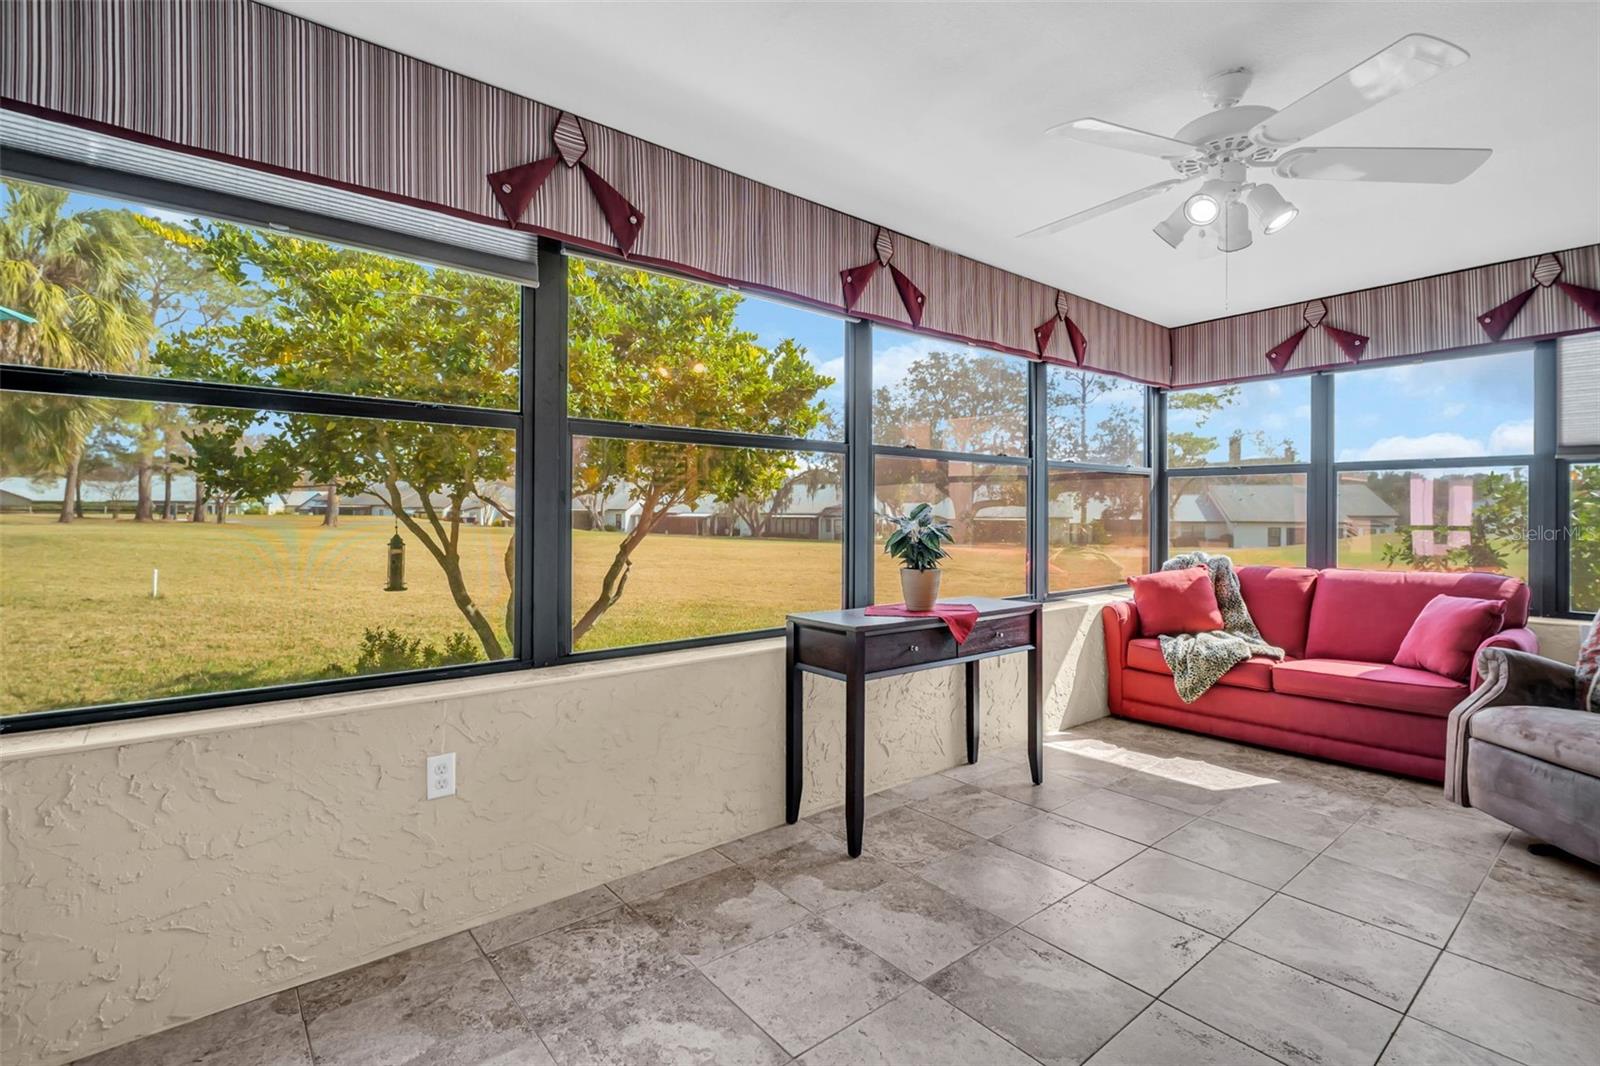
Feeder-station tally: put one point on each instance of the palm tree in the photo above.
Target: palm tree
(76, 275)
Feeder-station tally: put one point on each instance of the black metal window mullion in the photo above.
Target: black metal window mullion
(1038, 495)
(1322, 491)
(1156, 431)
(545, 548)
(1547, 523)
(860, 539)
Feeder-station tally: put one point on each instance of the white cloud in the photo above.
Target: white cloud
(1451, 410)
(1512, 438)
(1429, 446)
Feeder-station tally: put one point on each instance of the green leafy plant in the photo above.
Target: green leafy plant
(918, 538)
(385, 651)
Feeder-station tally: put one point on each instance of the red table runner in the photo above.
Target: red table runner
(960, 617)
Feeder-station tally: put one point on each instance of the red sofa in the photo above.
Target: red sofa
(1337, 694)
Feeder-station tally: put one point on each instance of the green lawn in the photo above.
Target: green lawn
(267, 600)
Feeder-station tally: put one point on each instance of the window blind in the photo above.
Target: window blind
(480, 244)
(1578, 390)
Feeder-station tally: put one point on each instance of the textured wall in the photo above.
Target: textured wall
(156, 871)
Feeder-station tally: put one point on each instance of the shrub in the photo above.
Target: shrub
(386, 651)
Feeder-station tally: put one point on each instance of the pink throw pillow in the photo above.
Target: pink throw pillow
(1446, 635)
(1176, 601)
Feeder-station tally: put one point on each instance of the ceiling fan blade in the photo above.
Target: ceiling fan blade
(1111, 135)
(1104, 209)
(1431, 166)
(1407, 63)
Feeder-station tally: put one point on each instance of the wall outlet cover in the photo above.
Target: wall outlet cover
(441, 775)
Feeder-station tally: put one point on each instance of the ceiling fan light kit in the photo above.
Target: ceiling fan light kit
(1219, 148)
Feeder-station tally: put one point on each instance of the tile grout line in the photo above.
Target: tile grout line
(305, 1026)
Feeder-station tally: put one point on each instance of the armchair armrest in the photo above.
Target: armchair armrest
(1120, 620)
(1510, 678)
(1522, 639)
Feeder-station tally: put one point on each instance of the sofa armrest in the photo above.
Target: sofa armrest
(1522, 639)
(1120, 620)
(1509, 678)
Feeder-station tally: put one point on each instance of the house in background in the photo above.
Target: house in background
(1230, 515)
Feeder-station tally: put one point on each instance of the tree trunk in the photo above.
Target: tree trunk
(330, 512)
(511, 585)
(169, 509)
(199, 513)
(616, 578)
(222, 509)
(144, 510)
(69, 490)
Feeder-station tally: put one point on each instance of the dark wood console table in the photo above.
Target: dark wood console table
(854, 647)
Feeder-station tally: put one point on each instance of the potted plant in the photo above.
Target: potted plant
(917, 541)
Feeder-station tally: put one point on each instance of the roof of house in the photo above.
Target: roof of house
(1277, 503)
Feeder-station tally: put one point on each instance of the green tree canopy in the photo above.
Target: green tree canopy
(644, 348)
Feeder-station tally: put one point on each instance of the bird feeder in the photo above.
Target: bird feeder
(397, 564)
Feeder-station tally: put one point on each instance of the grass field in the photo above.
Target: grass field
(269, 600)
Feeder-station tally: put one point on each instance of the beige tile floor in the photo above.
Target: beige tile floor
(1165, 898)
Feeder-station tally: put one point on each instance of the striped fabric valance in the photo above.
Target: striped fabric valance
(238, 81)
(1434, 314)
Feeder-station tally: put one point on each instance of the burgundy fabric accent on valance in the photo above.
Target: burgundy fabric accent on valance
(1409, 318)
(286, 95)
(854, 280)
(514, 189)
(1547, 271)
(1075, 338)
(1314, 315)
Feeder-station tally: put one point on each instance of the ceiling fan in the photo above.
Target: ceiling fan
(1219, 149)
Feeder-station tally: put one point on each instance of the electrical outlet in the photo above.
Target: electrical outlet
(441, 775)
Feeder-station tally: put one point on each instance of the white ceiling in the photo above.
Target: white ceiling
(927, 118)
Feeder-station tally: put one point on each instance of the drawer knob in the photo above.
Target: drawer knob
(915, 647)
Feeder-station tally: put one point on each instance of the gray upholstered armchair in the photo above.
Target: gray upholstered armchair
(1518, 748)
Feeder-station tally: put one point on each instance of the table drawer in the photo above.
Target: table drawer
(998, 633)
(895, 651)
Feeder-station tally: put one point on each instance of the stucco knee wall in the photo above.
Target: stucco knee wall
(156, 871)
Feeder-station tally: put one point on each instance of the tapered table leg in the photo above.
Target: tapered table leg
(1036, 695)
(972, 711)
(855, 749)
(794, 722)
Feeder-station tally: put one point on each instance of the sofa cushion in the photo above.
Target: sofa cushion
(1279, 599)
(1255, 672)
(1552, 734)
(1365, 614)
(1176, 601)
(1447, 634)
(1395, 688)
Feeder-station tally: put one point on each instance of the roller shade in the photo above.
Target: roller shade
(305, 203)
(1578, 391)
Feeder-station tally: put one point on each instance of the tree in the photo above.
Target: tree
(76, 276)
(181, 291)
(953, 401)
(1584, 537)
(344, 321)
(644, 348)
(1499, 518)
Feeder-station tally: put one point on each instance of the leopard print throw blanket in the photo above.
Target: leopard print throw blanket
(1198, 660)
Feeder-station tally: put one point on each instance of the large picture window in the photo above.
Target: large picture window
(1238, 458)
(1097, 443)
(694, 512)
(1432, 464)
(951, 430)
(225, 434)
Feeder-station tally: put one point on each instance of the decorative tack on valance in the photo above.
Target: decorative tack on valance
(855, 279)
(1314, 314)
(514, 189)
(1547, 270)
(1045, 330)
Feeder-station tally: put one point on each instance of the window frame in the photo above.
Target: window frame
(1151, 469)
(143, 190)
(1548, 501)
(553, 289)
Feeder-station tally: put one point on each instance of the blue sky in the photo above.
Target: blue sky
(1457, 408)
(1467, 407)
